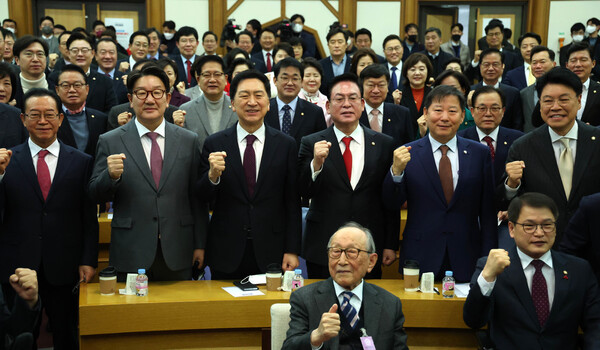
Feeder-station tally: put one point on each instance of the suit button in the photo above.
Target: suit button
(154, 218)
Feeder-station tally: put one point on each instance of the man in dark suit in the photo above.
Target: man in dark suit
(560, 159)
(82, 126)
(380, 116)
(438, 57)
(187, 43)
(363, 39)
(12, 132)
(249, 171)
(309, 40)
(449, 188)
(522, 76)
(149, 169)
(341, 171)
(581, 62)
(106, 57)
(338, 62)
(314, 317)
(577, 33)
(31, 56)
(411, 41)
(263, 59)
(44, 180)
(292, 115)
(138, 46)
(542, 60)
(492, 66)
(531, 297)
(23, 316)
(392, 48)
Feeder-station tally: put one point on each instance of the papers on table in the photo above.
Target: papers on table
(236, 292)
(461, 290)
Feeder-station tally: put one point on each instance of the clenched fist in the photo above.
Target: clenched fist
(401, 159)
(179, 117)
(497, 261)
(514, 170)
(124, 67)
(24, 282)
(115, 165)
(320, 153)
(217, 165)
(5, 155)
(124, 118)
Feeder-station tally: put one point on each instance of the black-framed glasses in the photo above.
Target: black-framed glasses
(351, 253)
(547, 227)
(484, 109)
(67, 86)
(38, 116)
(143, 94)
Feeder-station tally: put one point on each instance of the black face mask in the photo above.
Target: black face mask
(412, 38)
(456, 37)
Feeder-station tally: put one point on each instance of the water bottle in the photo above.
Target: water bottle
(448, 285)
(141, 283)
(298, 280)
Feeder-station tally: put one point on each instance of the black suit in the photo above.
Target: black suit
(113, 115)
(12, 131)
(417, 47)
(17, 319)
(19, 93)
(271, 217)
(511, 61)
(396, 122)
(439, 62)
(101, 96)
(181, 75)
(259, 61)
(408, 101)
(328, 76)
(96, 123)
(308, 118)
(119, 88)
(513, 116)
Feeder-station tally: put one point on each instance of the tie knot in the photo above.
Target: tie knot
(538, 264)
(394, 69)
(347, 295)
(347, 140)
(565, 141)
(286, 108)
(152, 135)
(444, 149)
(43, 153)
(488, 139)
(250, 139)
(268, 54)
(375, 112)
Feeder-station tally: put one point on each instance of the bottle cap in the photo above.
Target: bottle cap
(449, 273)
(298, 271)
(141, 271)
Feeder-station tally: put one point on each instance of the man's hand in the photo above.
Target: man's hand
(320, 153)
(470, 99)
(25, 283)
(124, 118)
(179, 117)
(163, 47)
(329, 327)
(397, 95)
(86, 273)
(422, 123)
(217, 165)
(389, 256)
(514, 170)
(476, 56)
(52, 60)
(290, 262)
(199, 257)
(502, 215)
(5, 155)
(180, 87)
(497, 261)
(401, 158)
(124, 67)
(115, 165)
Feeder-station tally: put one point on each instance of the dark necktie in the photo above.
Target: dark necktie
(156, 159)
(394, 79)
(43, 173)
(539, 293)
(348, 310)
(250, 164)
(489, 141)
(108, 75)
(189, 71)
(348, 156)
(268, 61)
(446, 174)
(286, 123)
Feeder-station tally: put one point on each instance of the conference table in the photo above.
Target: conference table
(201, 315)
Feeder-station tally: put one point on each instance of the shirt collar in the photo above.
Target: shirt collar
(452, 145)
(266, 52)
(156, 57)
(292, 104)
(497, 85)
(493, 134)
(183, 59)
(586, 85)
(343, 63)
(260, 133)
(572, 134)
(357, 135)
(526, 259)
(112, 72)
(368, 109)
(54, 148)
(399, 66)
(433, 55)
(357, 291)
(142, 130)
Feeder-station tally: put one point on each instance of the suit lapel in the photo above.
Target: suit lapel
(324, 298)
(464, 162)
(545, 152)
(335, 157)
(62, 166)
(370, 158)
(272, 117)
(516, 279)
(586, 144)
(234, 162)
(298, 117)
(225, 113)
(170, 152)
(131, 140)
(372, 309)
(23, 158)
(202, 111)
(269, 152)
(425, 157)
(364, 120)
(561, 286)
(66, 133)
(592, 92)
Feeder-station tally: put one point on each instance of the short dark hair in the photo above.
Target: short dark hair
(337, 30)
(288, 62)
(79, 36)
(169, 24)
(415, 58)
(410, 25)
(363, 31)
(143, 61)
(25, 41)
(200, 62)
(541, 48)
(185, 31)
(151, 30)
(40, 92)
(580, 46)
(459, 25)
(238, 62)
(164, 62)
(295, 41)
(66, 32)
(532, 200)
(71, 68)
(562, 76)
(312, 62)
(453, 60)
(434, 29)
(595, 21)
(148, 70)
(6, 32)
(245, 75)
(138, 33)
(438, 93)
(488, 90)
(391, 37)
(207, 33)
(507, 33)
(285, 47)
(462, 79)
(577, 27)
(110, 32)
(243, 32)
(360, 53)
(266, 30)
(494, 23)
(80, 30)
(293, 18)
(489, 51)
(9, 20)
(107, 40)
(530, 35)
(255, 24)
(7, 71)
(60, 26)
(96, 23)
(374, 71)
(230, 56)
(346, 77)
(47, 18)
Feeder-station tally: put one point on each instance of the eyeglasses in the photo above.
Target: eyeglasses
(547, 227)
(342, 99)
(351, 253)
(372, 86)
(286, 80)
(392, 49)
(208, 75)
(30, 54)
(38, 116)
(494, 34)
(139, 44)
(185, 41)
(104, 52)
(487, 65)
(483, 109)
(143, 94)
(76, 50)
(67, 86)
(548, 103)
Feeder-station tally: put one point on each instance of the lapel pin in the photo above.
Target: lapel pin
(389, 120)
(373, 143)
(94, 78)
(593, 138)
(230, 106)
(465, 151)
(93, 116)
(506, 143)
(301, 113)
(565, 275)
(594, 91)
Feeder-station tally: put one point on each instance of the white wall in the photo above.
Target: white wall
(3, 9)
(193, 13)
(382, 18)
(563, 14)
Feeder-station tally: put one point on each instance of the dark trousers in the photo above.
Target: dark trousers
(316, 271)
(159, 271)
(247, 267)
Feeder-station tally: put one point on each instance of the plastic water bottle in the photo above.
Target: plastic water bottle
(298, 280)
(448, 285)
(141, 283)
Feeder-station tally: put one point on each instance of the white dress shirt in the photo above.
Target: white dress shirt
(281, 104)
(493, 135)
(51, 158)
(147, 141)
(584, 94)
(398, 72)
(258, 145)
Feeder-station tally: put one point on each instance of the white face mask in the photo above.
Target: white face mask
(11, 29)
(577, 38)
(169, 36)
(297, 27)
(590, 29)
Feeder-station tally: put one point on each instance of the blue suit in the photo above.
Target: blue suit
(465, 228)
(516, 78)
(181, 75)
(259, 62)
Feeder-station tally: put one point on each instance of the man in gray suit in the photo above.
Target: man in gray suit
(542, 60)
(456, 47)
(149, 168)
(335, 313)
(212, 111)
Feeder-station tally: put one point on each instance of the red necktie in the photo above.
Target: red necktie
(189, 71)
(489, 140)
(348, 156)
(156, 159)
(268, 61)
(445, 171)
(539, 293)
(43, 173)
(250, 164)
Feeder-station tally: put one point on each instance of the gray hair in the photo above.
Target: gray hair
(367, 232)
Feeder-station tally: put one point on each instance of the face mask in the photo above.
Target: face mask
(577, 38)
(47, 30)
(169, 36)
(11, 29)
(456, 37)
(412, 38)
(98, 34)
(590, 29)
(348, 42)
(297, 27)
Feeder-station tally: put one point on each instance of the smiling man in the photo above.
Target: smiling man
(187, 43)
(542, 60)
(106, 57)
(438, 58)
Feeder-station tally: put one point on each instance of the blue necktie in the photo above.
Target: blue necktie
(286, 124)
(348, 310)
(394, 79)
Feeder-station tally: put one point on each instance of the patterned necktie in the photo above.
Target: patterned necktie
(347, 156)
(445, 171)
(539, 293)
(565, 166)
(286, 123)
(394, 79)
(156, 159)
(490, 144)
(348, 310)
(43, 173)
(268, 61)
(374, 123)
(188, 64)
(250, 164)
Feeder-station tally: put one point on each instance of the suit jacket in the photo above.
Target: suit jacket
(334, 202)
(193, 92)
(528, 104)
(196, 118)
(465, 228)
(465, 53)
(396, 121)
(96, 122)
(310, 43)
(272, 216)
(53, 44)
(58, 234)
(113, 115)
(516, 78)
(581, 238)
(259, 61)
(12, 132)
(417, 47)
(439, 63)
(181, 76)
(513, 116)
(390, 97)
(382, 310)
(19, 320)
(541, 171)
(19, 94)
(408, 101)
(119, 88)
(101, 96)
(328, 76)
(510, 313)
(511, 61)
(308, 119)
(141, 211)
